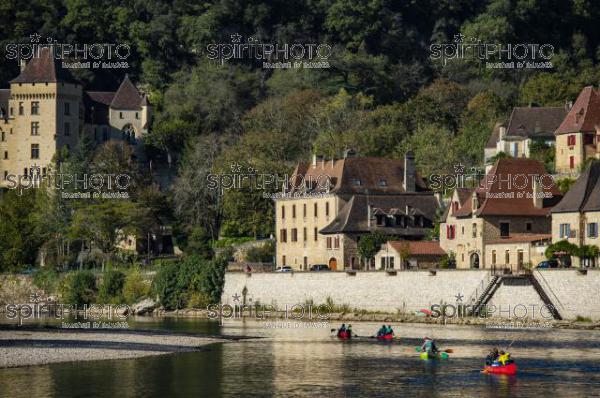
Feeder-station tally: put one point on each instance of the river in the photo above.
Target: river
(294, 361)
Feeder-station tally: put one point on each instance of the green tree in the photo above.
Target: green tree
(369, 245)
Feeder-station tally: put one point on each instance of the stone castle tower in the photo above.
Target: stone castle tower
(46, 109)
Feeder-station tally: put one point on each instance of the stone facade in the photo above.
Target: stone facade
(572, 293)
(307, 217)
(46, 110)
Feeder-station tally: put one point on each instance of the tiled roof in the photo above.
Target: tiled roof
(584, 116)
(356, 175)
(535, 121)
(127, 96)
(44, 69)
(508, 188)
(354, 216)
(584, 195)
(521, 238)
(416, 248)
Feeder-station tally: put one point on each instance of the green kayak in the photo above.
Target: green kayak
(439, 355)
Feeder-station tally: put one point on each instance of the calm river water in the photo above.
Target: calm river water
(303, 362)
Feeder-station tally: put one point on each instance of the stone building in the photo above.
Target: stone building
(577, 136)
(524, 126)
(46, 109)
(504, 221)
(405, 254)
(577, 216)
(330, 204)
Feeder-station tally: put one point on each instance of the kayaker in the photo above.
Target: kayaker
(349, 331)
(504, 358)
(491, 357)
(341, 330)
(382, 331)
(389, 330)
(429, 346)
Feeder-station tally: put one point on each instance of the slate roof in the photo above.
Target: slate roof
(491, 142)
(584, 116)
(496, 196)
(127, 96)
(584, 195)
(44, 69)
(354, 175)
(353, 217)
(97, 105)
(534, 122)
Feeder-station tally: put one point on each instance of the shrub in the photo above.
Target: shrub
(198, 300)
(176, 284)
(165, 285)
(111, 290)
(135, 287)
(261, 254)
(46, 279)
(79, 288)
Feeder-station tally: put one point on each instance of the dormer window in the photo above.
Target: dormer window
(380, 220)
(382, 183)
(356, 182)
(400, 221)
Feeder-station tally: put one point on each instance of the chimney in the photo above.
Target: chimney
(316, 159)
(350, 153)
(22, 64)
(538, 199)
(409, 172)
(502, 132)
(568, 105)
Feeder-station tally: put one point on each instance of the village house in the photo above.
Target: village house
(577, 216)
(46, 109)
(406, 254)
(321, 220)
(525, 126)
(503, 223)
(577, 136)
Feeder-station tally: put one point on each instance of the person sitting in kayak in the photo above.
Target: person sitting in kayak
(349, 331)
(382, 331)
(389, 330)
(492, 357)
(504, 358)
(342, 330)
(429, 346)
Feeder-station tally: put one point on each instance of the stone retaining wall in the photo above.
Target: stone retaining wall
(408, 291)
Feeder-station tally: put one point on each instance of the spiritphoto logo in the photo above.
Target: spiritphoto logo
(85, 316)
(495, 55)
(272, 55)
(73, 186)
(247, 177)
(72, 55)
(509, 185)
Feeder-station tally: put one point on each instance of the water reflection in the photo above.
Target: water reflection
(308, 362)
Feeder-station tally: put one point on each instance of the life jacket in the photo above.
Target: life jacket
(504, 358)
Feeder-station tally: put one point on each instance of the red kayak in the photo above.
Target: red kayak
(386, 337)
(509, 369)
(343, 335)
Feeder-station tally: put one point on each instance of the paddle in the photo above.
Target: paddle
(448, 351)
